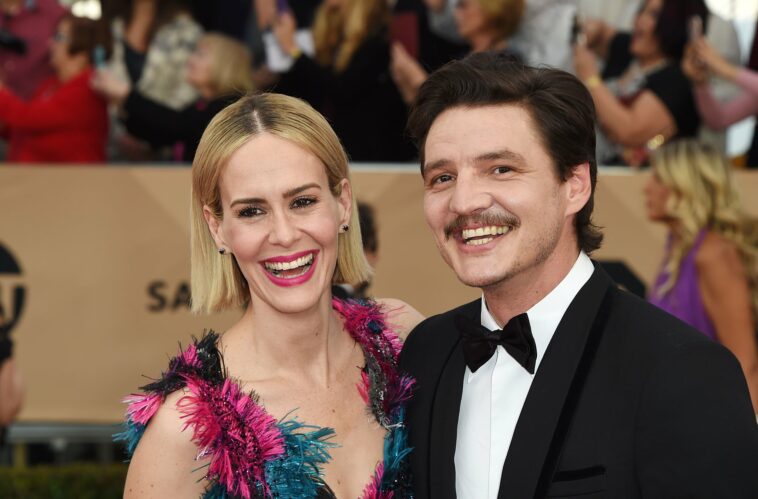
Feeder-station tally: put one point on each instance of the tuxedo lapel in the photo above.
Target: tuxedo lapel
(444, 417)
(543, 422)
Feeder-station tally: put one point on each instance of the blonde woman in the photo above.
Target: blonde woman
(348, 77)
(708, 278)
(302, 397)
(219, 69)
(484, 24)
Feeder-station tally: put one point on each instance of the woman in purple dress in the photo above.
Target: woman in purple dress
(708, 277)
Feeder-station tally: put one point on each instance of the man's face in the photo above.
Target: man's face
(492, 196)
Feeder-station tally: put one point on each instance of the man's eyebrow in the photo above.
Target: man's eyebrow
(288, 194)
(434, 165)
(505, 154)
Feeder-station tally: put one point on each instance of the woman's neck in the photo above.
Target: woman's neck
(72, 69)
(305, 344)
(482, 42)
(650, 62)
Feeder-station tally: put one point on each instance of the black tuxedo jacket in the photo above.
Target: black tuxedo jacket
(628, 401)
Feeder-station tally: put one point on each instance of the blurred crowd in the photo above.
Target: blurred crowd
(141, 83)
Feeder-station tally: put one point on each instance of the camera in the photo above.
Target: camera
(12, 43)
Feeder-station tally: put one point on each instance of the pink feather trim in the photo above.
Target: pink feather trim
(142, 407)
(237, 433)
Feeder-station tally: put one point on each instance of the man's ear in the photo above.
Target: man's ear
(579, 188)
(214, 224)
(345, 201)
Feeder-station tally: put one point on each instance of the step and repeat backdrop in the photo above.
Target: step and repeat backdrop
(94, 270)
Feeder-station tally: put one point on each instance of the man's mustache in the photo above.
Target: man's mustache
(485, 219)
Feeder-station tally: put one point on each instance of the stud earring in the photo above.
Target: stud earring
(222, 251)
(344, 228)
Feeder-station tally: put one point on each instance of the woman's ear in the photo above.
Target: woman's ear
(214, 225)
(345, 201)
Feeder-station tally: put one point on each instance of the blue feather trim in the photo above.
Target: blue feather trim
(298, 472)
(130, 436)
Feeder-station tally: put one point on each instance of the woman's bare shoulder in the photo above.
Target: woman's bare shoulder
(164, 461)
(400, 315)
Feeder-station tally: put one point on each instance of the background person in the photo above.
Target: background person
(65, 120)
(709, 277)
(11, 383)
(275, 405)
(347, 79)
(642, 97)
(701, 62)
(153, 42)
(218, 70)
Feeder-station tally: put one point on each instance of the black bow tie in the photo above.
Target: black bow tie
(479, 343)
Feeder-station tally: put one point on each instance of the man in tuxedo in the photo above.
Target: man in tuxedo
(555, 383)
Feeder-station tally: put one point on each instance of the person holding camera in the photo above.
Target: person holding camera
(65, 121)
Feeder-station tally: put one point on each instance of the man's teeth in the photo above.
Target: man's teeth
(279, 266)
(481, 232)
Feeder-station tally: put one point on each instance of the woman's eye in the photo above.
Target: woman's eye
(303, 202)
(249, 211)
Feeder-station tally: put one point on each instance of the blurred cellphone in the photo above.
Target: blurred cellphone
(695, 27)
(282, 6)
(576, 29)
(98, 57)
(404, 30)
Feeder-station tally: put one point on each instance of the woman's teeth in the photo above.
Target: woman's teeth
(277, 268)
(482, 235)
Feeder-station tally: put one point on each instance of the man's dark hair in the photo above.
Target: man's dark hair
(558, 103)
(672, 30)
(368, 227)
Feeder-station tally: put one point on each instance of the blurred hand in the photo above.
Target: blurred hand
(406, 72)
(585, 62)
(109, 86)
(265, 12)
(594, 31)
(284, 30)
(693, 67)
(708, 56)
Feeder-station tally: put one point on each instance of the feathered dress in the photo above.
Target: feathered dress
(254, 455)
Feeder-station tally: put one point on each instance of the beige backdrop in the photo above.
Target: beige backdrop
(93, 242)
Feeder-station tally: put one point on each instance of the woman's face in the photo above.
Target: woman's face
(656, 198)
(200, 66)
(644, 42)
(59, 44)
(470, 18)
(280, 222)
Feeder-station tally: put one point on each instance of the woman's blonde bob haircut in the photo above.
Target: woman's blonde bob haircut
(217, 282)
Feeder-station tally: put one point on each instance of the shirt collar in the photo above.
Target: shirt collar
(546, 314)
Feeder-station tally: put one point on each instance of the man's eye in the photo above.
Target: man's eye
(441, 179)
(502, 169)
(249, 211)
(303, 202)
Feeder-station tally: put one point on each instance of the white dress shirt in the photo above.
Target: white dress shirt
(494, 395)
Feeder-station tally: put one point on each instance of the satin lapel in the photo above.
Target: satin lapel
(444, 419)
(548, 408)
